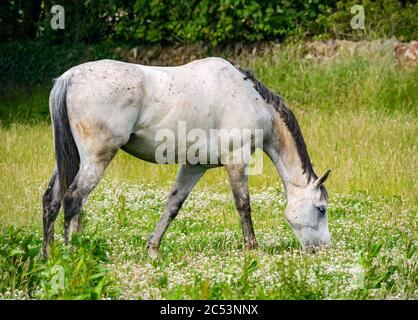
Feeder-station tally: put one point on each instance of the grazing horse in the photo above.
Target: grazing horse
(100, 107)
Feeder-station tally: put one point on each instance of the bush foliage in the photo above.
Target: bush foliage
(33, 62)
(215, 21)
(31, 52)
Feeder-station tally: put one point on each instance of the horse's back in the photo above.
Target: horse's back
(127, 104)
(204, 92)
(107, 86)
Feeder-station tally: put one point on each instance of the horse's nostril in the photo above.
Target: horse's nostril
(309, 249)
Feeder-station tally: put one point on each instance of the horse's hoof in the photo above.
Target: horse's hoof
(153, 253)
(45, 254)
(251, 245)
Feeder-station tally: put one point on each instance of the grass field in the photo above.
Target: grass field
(359, 115)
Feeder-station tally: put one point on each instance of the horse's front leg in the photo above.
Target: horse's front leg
(186, 179)
(238, 180)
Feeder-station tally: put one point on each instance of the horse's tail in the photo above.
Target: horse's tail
(66, 152)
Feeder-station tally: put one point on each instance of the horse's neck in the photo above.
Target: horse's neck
(284, 154)
(291, 174)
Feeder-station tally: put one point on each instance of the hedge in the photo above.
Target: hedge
(94, 28)
(214, 21)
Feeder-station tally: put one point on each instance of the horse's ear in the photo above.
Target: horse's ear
(321, 180)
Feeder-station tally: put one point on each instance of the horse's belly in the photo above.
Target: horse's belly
(209, 147)
(140, 148)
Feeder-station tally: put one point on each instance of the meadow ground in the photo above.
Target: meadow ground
(358, 111)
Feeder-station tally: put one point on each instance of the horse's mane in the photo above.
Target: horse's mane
(289, 119)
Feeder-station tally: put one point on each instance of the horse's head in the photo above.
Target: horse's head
(306, 213)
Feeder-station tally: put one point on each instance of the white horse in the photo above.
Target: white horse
(99, 107)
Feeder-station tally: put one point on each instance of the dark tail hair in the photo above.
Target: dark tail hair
(66, 152)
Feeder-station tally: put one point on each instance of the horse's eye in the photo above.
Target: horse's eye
(322, 209)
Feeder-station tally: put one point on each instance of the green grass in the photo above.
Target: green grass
(358, 113)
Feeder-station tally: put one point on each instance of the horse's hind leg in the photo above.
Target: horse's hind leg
(51, 205)
(239, 184)
(186, 179)
(87, 178)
